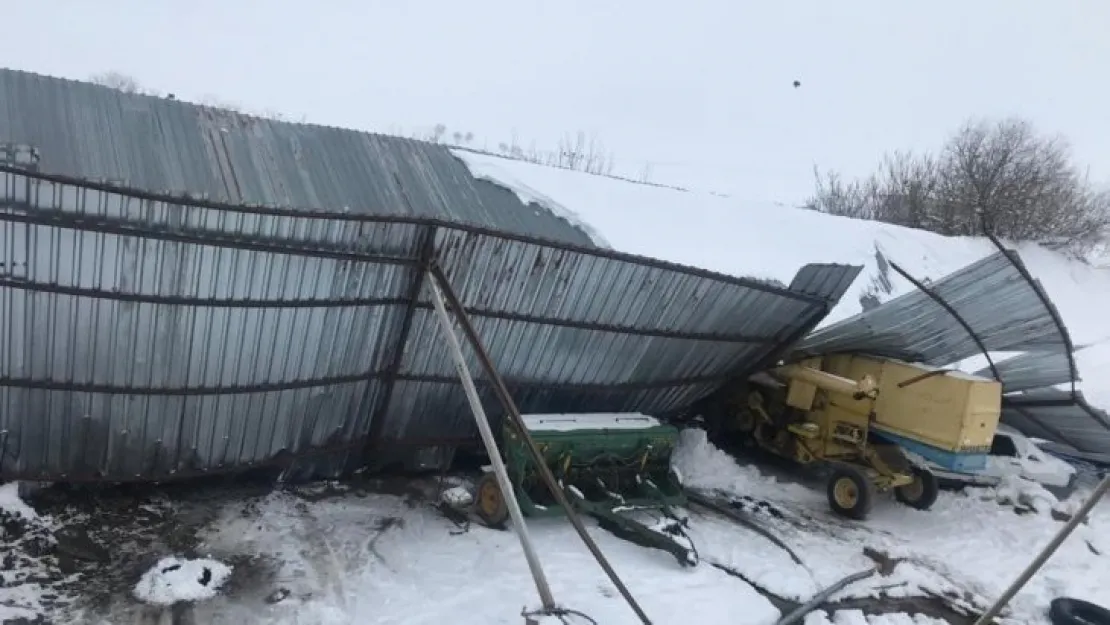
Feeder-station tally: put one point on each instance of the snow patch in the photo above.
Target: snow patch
(1016, 491)
(704, 466)
(457, 497)
(11, 503)
(173, 580)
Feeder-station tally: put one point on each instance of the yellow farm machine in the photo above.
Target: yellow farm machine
(859, 415)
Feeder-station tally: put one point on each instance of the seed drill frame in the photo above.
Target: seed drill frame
(613, 467)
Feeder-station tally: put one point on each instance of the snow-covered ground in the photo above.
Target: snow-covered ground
(971, 542)
(380, 552)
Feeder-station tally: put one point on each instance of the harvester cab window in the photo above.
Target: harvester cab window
(1002, 445)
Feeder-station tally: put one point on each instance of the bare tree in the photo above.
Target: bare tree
(1023, 186)
(116, 80)
(1000, 175)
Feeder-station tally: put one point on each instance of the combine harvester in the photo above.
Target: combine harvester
(856, 414)
(875, 397)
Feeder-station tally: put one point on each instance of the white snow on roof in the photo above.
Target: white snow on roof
(764, 240)
(589, 421)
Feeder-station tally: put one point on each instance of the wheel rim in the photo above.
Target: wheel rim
(914, 490)
(489, 497)
(845, 493)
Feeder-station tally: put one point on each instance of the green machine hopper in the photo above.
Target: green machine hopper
(614, 467)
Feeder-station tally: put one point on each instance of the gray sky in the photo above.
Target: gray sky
(702, 91)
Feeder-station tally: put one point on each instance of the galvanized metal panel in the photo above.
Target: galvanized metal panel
(160, 144)
(151, 337)
(228, 361)
(1002, 309)
(1032, 370)
(828, 281)
(1057, 416)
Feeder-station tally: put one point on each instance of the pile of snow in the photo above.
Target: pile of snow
(175, 580)
(457, 497)
(705, 467)
(12, 504)
(1021, 493)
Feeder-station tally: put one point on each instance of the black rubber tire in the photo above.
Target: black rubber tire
(930, 488)
(1068, 611)
(489, 503)
(865, 492)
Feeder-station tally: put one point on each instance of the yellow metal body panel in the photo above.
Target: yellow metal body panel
(953, 411)
(801, 395)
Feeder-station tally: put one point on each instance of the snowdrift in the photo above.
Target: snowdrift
(773, 242)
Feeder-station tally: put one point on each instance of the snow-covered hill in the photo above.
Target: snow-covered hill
(769, 241)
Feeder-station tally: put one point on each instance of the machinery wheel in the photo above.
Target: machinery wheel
(489, 503)
(850, 492)
(1068, 611)
(922, 492)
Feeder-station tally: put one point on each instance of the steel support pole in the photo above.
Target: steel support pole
(1047, 552)
(546, 598)
(513, 412)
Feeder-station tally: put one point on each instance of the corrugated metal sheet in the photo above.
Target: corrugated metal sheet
(1002, 309)
(1006, 311)
(1032, 370)
(147, 337)
(1057, 416)
(159, 144)
(827, 281)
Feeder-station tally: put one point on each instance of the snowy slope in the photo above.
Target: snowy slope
(767, 241)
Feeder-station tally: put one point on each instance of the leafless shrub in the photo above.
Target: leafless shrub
(1002, 175)
(116, 80)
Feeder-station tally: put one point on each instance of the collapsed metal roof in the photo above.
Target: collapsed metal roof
(1033, 370)
(165, 145)
(1059, 416)
(1002, 311)
(150, 336)
(993, 305)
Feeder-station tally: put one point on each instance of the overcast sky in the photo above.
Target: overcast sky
(702, 89)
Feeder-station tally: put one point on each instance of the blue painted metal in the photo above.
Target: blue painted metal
(963, 462)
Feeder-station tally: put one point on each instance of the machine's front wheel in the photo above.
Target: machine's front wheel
(489, 502)
(850, 493)
(922, 492)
